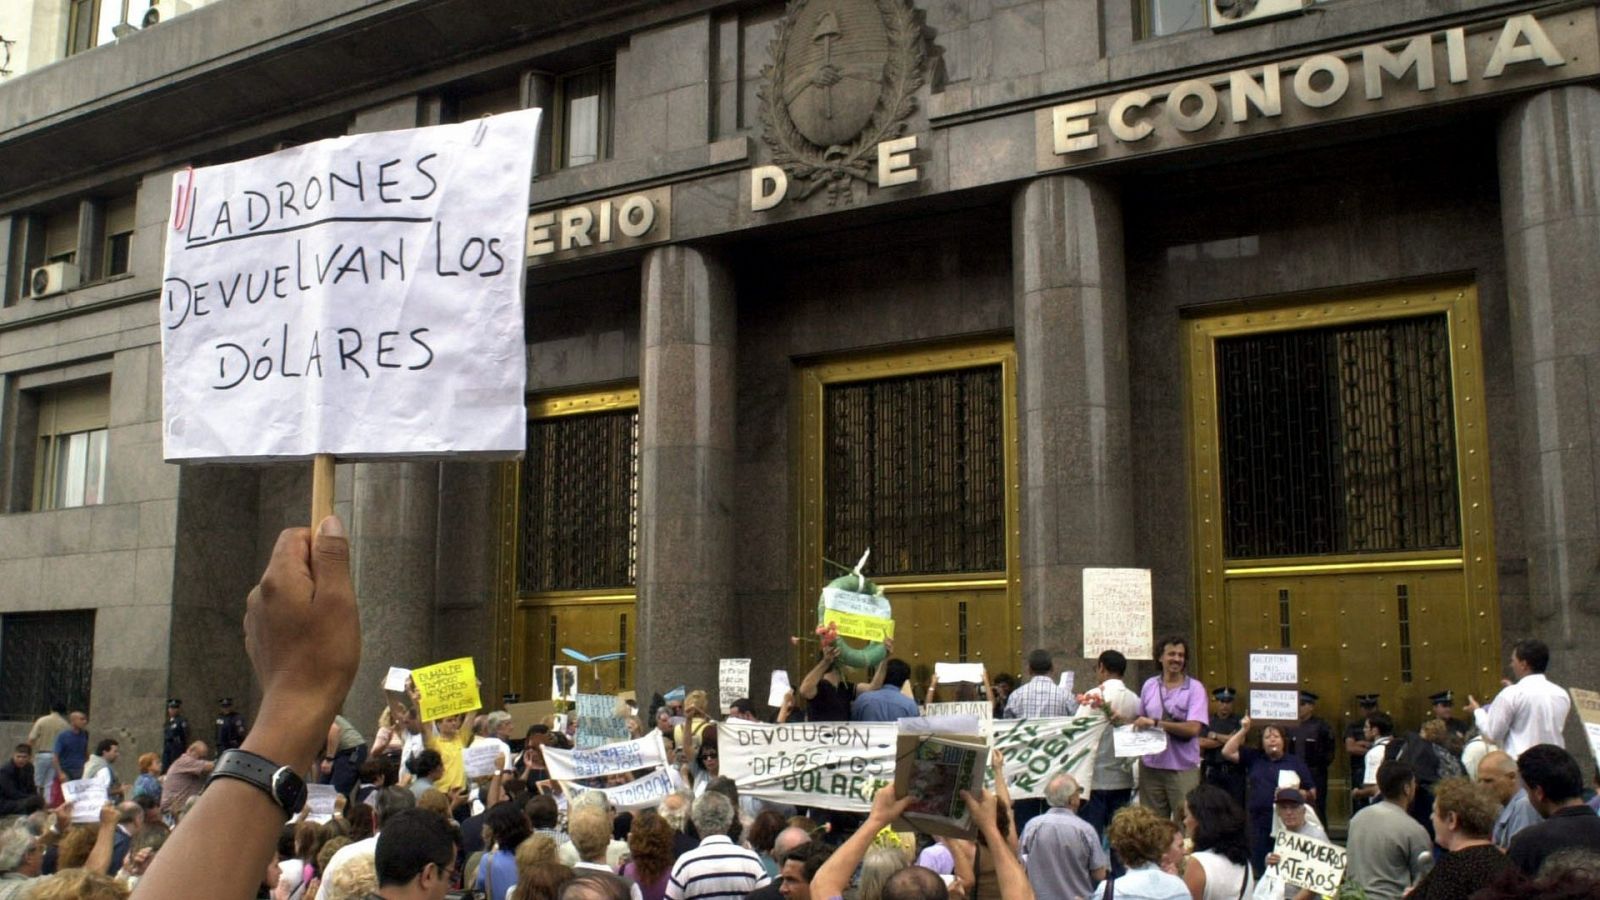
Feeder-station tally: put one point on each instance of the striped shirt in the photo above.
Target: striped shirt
(1040, 698)
(716, 868)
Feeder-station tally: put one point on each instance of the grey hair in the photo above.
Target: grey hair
(590, 798)
(1062, 790)
(497, 718)
(712, 813)
(16, 837)
(877, 867)
(389, 801)
(677, 814)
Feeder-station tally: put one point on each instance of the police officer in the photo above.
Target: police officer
(230, 726)
(1311, 739)
(175, 735)
(1230, 776)
(1443, 706)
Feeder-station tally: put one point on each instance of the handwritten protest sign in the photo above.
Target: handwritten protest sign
(482, 760)
(980, 708)
(1036, 749)
(395, 680)
(598, 722)
(1587, 704)
(447, 688)
(1116, 612)
(866, 617)
(86, 796)
(1128, 741)
(647, 752)
(733, 682)
(359, 296)
(640, 793)
(321, 802)
(779, 688)
(564, 683)
(1274, 706)
(1306, 862)
(1275, 668)
(831, 765)
(952, 673)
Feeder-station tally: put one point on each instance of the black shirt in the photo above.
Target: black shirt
(1312, 741)
(1567, 827)
(1460, 873)
(831, 704)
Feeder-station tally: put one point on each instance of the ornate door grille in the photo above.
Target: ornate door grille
(1338, 440)
(45, 658)
(580, 502)
(913, 468)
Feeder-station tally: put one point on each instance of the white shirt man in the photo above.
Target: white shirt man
(1530, 712)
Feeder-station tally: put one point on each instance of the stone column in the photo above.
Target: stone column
(687, 618)
(1550, 210)
(1072, 352)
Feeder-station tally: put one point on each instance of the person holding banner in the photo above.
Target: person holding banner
(1178, 705)
(1291, 808)
(1264, 770)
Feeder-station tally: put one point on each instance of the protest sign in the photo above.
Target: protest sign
(647, 752)
(640, 793)
(395, 680)
(358, 296)
(564, 683)
(447, 689)
(1069, 680)
(830, 765)
(598, 722)
(1274, 706)
(733, 682)
(482, 759)
(862, 616)
(527, 715)
(1128, 741)
(321, 802)
(952, 673)
(934, 770)
(86, 796)
(1274, 668)
(1306, 862)
(942, 725)
(1036, 749)
(980, 708)
(1587, 704)
(1116, 613)
(779, 689)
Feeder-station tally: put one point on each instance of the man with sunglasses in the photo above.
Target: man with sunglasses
(415, 858)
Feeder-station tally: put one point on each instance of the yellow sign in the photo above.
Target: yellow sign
(861, 616)
(447, 689)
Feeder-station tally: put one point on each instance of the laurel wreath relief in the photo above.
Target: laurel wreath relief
(836, 165)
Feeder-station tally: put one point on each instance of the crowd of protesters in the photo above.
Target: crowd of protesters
(1197, 820)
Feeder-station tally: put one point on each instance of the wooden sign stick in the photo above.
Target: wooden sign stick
(321, 489)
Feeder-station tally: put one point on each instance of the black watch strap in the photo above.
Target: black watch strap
(281, 783)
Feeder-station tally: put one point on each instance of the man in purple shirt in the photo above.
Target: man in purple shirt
(1177, 704)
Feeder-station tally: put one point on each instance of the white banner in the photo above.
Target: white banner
(86, 796)
(647, 752)
(1036, 749)
(733, 682)
(952, 673)
(640, 793)
(360, 296)
(1116, 613)
(980, 708)
(831, 765)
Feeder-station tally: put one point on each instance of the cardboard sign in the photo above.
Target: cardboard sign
(360, 296)
(527, 715)
(866, 617)
(1274, 706)
(482, 760)
(1036, 749)
(447, 689)
(1306, 862)
(640, 793)
(321, 802)
(647, 752)
(979, 708)
(395, 680)
(1587, 704)
(934, 770)
(87, 796)
(1275, 668)
(953, 673)
(779, 689)
(1128, 741)
(829, 765)
(733, 682)
(598, 723)
(564, 683)
(1117, 613)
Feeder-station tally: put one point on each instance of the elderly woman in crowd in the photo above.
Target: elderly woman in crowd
(650, 854)
(1264, 770)
(1139, 839)
(1219, 866)
(148, 783)
(1463, 820)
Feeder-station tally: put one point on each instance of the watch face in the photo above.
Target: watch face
(289, 790)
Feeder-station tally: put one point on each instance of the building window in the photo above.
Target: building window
(70, 464)
(45, 659)
(61, 236)
(1157, 18)
(118, 236)
(586, 106)
(82, 25)
(580, 502)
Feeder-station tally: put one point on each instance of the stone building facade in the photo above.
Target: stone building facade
(1299, 314)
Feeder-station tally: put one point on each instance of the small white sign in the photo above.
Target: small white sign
(1116, 613)
(1128, 741)
(481, 760)
(564, 683)
(1069, 680)
(958, 673)
(360, 296)
(733, 682)
(780, 687)
(321, 802)
(86, 795)
(1274, 706)
(1274, 668)
(1592, 729)
(396, 679)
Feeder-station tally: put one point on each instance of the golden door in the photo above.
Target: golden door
(591, 626)
(913, 456)
(1339, 468)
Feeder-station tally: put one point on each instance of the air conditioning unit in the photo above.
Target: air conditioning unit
(52, 278)
(1222, 14)
(162, 10)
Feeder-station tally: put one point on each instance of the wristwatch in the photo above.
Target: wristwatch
(281, 783)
